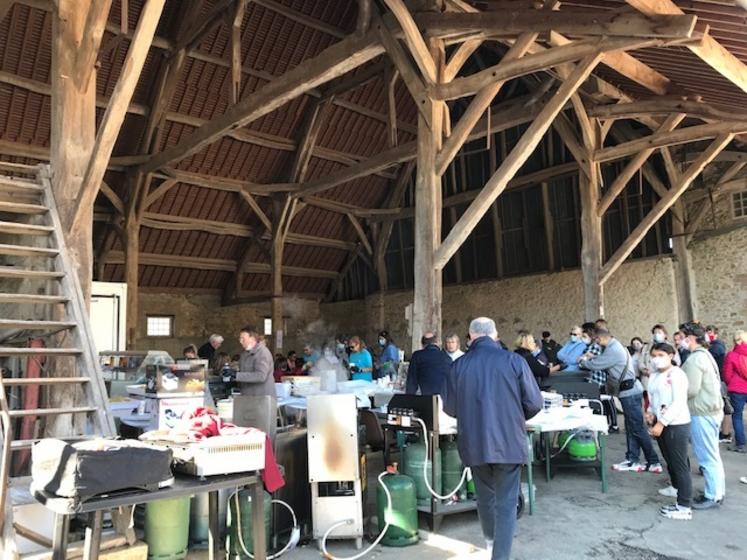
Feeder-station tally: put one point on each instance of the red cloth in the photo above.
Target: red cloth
(204, 423)
(735, 369)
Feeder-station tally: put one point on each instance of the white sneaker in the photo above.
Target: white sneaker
(677, 512)
(628, 466)
(655, 468)
(743, 479)
(670, 491)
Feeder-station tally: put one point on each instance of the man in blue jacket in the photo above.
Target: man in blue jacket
(492, 392)
(428, 368)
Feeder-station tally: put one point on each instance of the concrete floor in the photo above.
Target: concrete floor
(574, 520)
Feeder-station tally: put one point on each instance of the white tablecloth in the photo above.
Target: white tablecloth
(567, 418)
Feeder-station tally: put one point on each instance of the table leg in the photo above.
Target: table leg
(602, 459)
(93, 536)
(530, 468)
(59, 538)
(213, 527)
(548, 450)
(258, 521)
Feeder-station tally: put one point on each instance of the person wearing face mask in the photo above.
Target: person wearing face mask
(669, 418)
(451, 347)
(573, 348)
(735, 376)
(707, 411)
(255, 375)
(718, 350)
(635, 349)
(658, 335)
(341, 350)
(599, 377)
(615, 360)
(389, 359)
(680, 345)
(527, 348)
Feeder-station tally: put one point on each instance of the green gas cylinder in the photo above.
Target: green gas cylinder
(241, 516)
(167, 528)
(403, 517)
(414, 457)
(452, 468)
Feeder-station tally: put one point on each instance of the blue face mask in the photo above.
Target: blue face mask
(574, 338)
(536, 352)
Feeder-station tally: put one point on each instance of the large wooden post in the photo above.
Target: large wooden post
(276, 259)
(591, 243)
(73, 132)
(427, 279)
(132, 267)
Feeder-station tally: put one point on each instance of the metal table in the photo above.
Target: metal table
(183, 485)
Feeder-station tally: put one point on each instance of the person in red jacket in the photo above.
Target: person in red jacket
(735, 376)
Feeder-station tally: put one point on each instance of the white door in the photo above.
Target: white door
(108, 319)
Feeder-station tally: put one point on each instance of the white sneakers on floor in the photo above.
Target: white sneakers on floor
(626, 466)
(677, 512)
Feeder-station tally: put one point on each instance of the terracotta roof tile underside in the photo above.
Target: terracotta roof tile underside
(273, 43)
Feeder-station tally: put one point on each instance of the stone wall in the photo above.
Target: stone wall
(196, 317)
(639, 294)
(719, 261)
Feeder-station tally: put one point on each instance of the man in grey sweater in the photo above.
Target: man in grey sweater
(616, 361)
(255, 365)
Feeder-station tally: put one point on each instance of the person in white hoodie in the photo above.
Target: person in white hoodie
(669, 418)
(452, 347)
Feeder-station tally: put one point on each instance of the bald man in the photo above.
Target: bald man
(429, 367)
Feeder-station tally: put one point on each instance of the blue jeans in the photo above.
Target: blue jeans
(704, 433)
(497, 489)
(636, 434)
(738, 400)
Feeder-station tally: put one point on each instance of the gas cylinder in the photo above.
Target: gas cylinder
(240, 519)
(403, 517)
(452, 468)
(414, 457)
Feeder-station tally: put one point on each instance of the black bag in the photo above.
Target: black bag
(625, 383)
(83, 470)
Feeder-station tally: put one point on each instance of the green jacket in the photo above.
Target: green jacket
(704, 384)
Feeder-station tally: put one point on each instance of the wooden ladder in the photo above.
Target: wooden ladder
(37, 278)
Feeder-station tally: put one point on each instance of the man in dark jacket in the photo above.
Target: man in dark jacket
(491, 392)
(428, 368)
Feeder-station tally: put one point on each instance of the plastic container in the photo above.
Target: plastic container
(403, 517)
(234, 550)
(167, 528)
(414, 457)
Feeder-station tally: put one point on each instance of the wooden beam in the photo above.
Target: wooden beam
(661, 139)
(633, 166)
(709, 50)
(459, 58)
(391, 86)
(592, 248)
(337, 284)
(332, 62)
(660, 208)
(239, 10)
(98, 14)
(414, 40)
(5, 6)
(266, 222)
(664, 107)
(542, 60)
(120, 100)
(159, 191)
(113, 197)
(715, 194)
(361, 233)
(342, 208)
(478, 106)
(521, 152)
(509, 23)
(317, 114)
(303, 19)
(220, 265)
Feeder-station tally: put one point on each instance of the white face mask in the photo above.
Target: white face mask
(661, 362)
(684, 345)
(659, 337)
(382, 342)
(585, 340)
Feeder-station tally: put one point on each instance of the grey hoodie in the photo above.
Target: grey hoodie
(616, 361)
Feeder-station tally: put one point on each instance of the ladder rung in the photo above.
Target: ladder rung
(52, 411)
(36, 325)
(22, 208)
(16, 228)
(14, 272)
(24, 251)
(32, 298)
(26, 443)
(24, 381)
(16, 351)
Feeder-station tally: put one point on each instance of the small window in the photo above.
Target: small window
(739, 203)
(268, 326)
(160, 325)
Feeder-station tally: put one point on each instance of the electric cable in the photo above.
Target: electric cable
(425, 468)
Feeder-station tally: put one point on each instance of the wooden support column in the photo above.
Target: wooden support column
(279, 207)
(591, 243)
(427, 278)
(132, 268)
